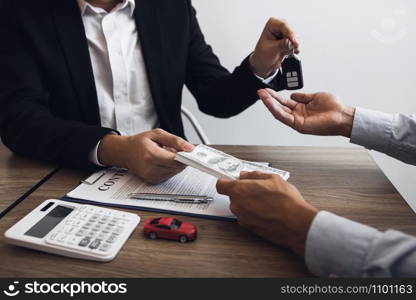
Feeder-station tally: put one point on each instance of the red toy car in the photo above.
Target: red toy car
(170, 228)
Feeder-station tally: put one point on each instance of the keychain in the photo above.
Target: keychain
(292, 70)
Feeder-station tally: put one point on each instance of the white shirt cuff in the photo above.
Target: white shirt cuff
(93, 156)
(372, 129)
(268, 79)
(336, 246)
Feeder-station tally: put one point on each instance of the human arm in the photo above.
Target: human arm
(325, 114)
(331, 245)
(224, 94)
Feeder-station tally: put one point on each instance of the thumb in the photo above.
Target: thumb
(282, 45)
(166, 139)
(224, 186)
(255, 175)
(302, 98)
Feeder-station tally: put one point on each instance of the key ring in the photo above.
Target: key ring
(290, 48)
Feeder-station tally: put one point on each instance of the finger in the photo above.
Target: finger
(283, 46)
(280, 29)
(163, 158)
(302, 98)
(171, 149)
(166, 139)
(285, 102)
(224, 186)
(254, 175)
(286, 109)
(168, 165)
(284, 116)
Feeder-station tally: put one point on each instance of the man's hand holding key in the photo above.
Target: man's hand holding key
(273, 47)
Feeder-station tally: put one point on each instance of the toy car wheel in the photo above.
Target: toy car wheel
(153, 235)
(183, 239)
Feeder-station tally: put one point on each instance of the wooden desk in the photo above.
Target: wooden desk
(18, 175)
(345, 181)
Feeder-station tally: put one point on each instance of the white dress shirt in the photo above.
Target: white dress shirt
(339, 247)
(124, 98)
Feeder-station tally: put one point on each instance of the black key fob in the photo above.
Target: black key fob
(292, 72)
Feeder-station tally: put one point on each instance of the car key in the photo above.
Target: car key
(292, 70)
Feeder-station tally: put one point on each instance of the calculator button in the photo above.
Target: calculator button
(70, 230)
(101, 236)
(105, 247)
(61, 237)
(118, 230)
(84, 216)
(91, 234)
(125, 216)
(53, 236)
(111, 239)
(95, 244)
(72, 241)
(294, 73)
(123, 223)
(84, 242)
(80, 232)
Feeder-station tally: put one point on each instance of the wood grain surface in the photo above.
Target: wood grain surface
(345, 181)
(18, 175)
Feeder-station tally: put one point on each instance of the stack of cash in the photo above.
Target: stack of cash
(223, 165)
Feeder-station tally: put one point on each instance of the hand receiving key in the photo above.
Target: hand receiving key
(319, 114)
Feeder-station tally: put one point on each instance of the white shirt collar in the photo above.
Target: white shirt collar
(83, 5)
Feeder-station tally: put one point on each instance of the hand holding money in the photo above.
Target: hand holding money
(223, 165)
(271, 207)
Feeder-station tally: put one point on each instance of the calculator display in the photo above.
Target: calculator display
(48, 222)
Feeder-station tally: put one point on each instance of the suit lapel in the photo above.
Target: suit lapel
(71, 33)
(151, 40)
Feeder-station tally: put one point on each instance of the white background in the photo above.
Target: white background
(361, 50)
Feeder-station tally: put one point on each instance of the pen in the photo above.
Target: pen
(194, 199)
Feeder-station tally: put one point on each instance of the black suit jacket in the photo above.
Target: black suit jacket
(49, 108)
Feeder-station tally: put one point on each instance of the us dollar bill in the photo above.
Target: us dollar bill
(223, 165)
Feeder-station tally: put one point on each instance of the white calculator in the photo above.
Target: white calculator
(74, 230)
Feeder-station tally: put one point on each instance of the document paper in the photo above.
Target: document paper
(112, 187)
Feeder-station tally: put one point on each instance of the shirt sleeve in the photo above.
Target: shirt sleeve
(93, 155)
(392, 134)
(269, 79)
(338, 247)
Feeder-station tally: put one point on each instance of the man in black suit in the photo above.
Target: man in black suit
(82, 80)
